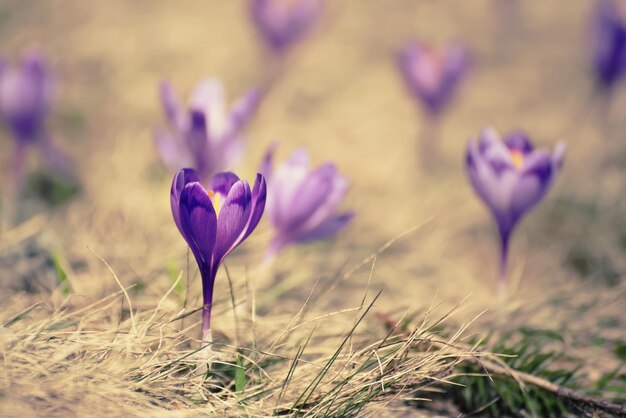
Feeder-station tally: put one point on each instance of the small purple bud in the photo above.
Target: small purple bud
(432, 76)
(25, 98)
(608, 43)
(282, 23)
(25, 95)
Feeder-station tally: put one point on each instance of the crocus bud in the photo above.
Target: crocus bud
(432, 75)
(281, 23)
(25, 97)
(608, 43)
(25, 93)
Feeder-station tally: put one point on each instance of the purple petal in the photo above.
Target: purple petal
(206, 94)
(170, 102)
(243, 110)
(25, 94)
(494, 151)
(334, 187)
(282, 23)
(329, 228)
(539, 163)
(198, 222)
(198, 145)
(223, 182)
(609, 43)
(309, 197)
(209, 98)
(181, 179)
(518, 141)
(174, 155)
(286, 182)
(493, 186)
(259, 194)
(457, 62)
(266, 163)
(232, 219)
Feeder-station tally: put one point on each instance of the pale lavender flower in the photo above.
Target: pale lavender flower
(303, 204)
(205, 136)
(511, 177)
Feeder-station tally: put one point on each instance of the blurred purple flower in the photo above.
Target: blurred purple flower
(214, 222)
(432, 75)
(511, 177)
(303, 203)
(207, 135)
(25, 97)
(608, 43)
(283, 22)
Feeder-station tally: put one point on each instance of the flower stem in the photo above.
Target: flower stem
(503, 278)
(15, 188)
(207, 336)
(428, 141)
(208, 280)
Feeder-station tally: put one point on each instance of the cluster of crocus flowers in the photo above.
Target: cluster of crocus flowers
(214, 221)
(205, 136)
(281, 23)
(511, 177)
(303, 204)
(25, 97)
(608, 43)
(433, 75)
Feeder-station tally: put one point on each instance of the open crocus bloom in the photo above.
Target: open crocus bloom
(608, 43)
(214, 221)
(206, 136)
(511, 177)
(303, 203)
(432, 75)
(282, 22)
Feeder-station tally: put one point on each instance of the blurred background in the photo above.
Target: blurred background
(340, 94)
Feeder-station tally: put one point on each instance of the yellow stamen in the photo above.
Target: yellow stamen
(216, 200)
(517, 158)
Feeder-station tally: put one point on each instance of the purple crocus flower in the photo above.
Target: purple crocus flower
(303, 203)
(25, 97)
(214, 222)
(608, 43)
(511, 177)
(282, 22)
(207, 135)
(432, 75)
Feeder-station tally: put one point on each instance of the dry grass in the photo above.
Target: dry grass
(63, 359)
